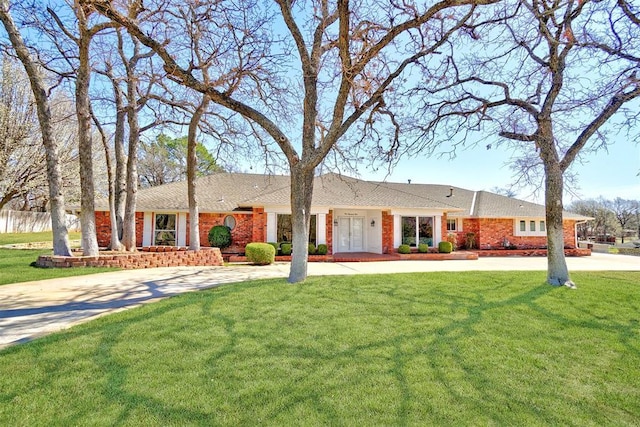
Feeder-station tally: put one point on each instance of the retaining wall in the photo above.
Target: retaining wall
(149, 257)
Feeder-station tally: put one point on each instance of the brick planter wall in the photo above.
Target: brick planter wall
(148, 257)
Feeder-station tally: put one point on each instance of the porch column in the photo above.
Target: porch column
(321, 229)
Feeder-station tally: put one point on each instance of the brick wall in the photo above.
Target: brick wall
(103, 228)
(329, 227)
(387, 233)
(240, 235)
(259, 232)
(493, 232)
(151, 257)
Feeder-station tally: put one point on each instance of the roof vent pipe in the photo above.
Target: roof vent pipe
(450, 192)
(409, 181)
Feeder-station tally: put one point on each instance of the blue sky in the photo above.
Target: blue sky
(609, 174)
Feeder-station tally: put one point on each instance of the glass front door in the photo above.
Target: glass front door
(350, 234)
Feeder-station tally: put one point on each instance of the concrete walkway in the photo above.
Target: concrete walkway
(32, 309)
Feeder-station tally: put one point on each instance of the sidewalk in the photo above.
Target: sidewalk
(32, 309)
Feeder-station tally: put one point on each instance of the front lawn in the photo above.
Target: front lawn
(15, 266)
(475, 348)
(43, 236)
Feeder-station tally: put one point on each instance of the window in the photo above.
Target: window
(230, 222)
(165, 230)
(452, 225)
(417, 230)
(285, 229)
(529, 227)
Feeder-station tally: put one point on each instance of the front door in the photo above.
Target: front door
(350, 234)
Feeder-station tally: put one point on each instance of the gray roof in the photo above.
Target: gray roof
(226, 192)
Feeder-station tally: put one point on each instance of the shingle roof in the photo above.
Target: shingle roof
(225, 192)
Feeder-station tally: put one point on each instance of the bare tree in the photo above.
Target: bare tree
(58, 220)
(350, 58)
(536, 85)
(624, 212)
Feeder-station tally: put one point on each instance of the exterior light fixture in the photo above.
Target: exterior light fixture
(373, 222)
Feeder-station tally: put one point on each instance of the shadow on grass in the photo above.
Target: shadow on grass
(398, 350)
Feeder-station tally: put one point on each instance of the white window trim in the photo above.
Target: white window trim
(527, 223)
(458, 225)
(153, 226)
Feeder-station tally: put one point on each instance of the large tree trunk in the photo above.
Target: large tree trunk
(192, 163)
(557, 271)
(120, 181)
(85, 143)
(61, 245)
(301, 195)
(129, 226)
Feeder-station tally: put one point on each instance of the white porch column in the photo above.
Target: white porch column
(271, 227)
(181, 238)
(321, 229)
(147, 229)
(397, 231)
(437, 233)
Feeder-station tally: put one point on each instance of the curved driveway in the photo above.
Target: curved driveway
(32, 309)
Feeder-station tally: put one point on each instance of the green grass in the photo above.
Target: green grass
(15, 267)
(45, 236)
(476, 348)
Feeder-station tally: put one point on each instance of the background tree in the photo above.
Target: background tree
(538, 85)
(623, 210)
(349, 61)
(164, 160)
(58, 219)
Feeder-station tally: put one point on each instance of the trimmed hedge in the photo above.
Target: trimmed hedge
(322, 249)
(445, 247)
(220, 236)
(423, 248)
(285, 248)
(275, 245)
(312, 249)
(404, 249)
(260, 253)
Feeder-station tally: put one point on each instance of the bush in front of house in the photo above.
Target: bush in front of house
(285, 248)
(275, 245)
(423, 248)
(445, 247)
(322, 249)
(312, 249)
(260, 253)
(220, 236)
(404, 249)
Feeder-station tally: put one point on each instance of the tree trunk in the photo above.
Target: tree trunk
(129, 226)
(557, 271)
(85, 144)
(301, 195)
(61, 245)
(120, 183)
(192, 163)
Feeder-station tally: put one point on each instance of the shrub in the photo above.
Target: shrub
(470, 241)
(423, 248)
(260, 253)
(220, 236)
(445, 247)
(285, 248)
(275, 245)
(451, 237)
(404, 249)
(312, 249)
(322, 249)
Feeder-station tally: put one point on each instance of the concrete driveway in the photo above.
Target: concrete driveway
(32, 309)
